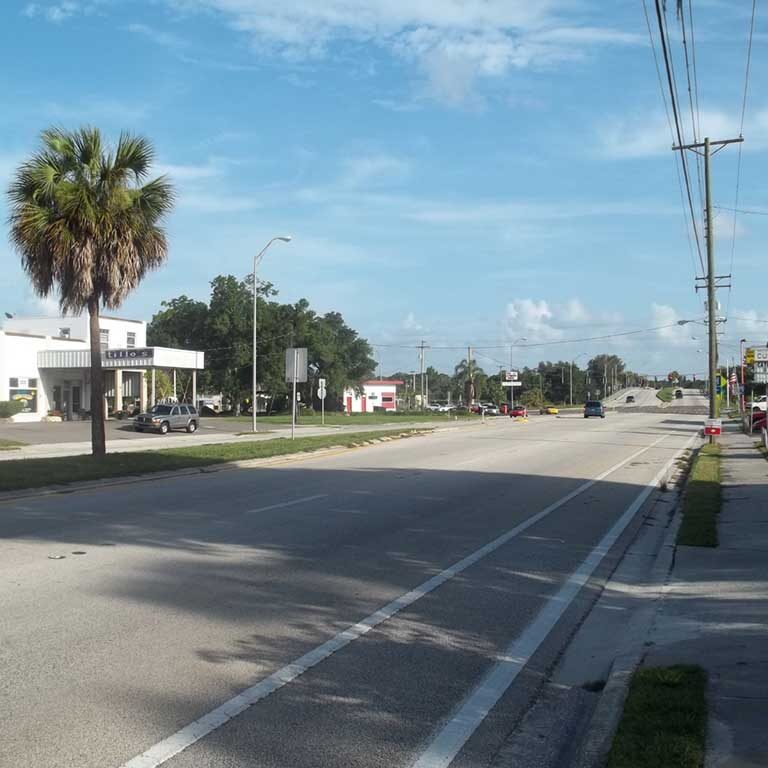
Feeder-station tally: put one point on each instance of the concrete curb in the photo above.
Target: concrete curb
(108, 482)
(610, 707)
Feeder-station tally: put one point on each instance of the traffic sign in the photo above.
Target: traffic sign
(713, 427)
(321, 389)
(511, 375)
(511, 383)
(296, 364)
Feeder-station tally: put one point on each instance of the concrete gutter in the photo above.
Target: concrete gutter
(604, 722)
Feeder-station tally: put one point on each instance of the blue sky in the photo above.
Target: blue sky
(463, 171)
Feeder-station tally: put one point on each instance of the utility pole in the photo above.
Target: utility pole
(710, 279)
(422, 388)
(469, 377)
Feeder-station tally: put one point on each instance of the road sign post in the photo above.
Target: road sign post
(321, 395)
(295, 371)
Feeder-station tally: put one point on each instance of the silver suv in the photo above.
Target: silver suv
(164, 418)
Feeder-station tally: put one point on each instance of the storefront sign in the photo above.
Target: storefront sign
(144, 353)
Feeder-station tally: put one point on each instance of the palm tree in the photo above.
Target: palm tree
(87, 228)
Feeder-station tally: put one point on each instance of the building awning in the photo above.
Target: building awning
(144, 357)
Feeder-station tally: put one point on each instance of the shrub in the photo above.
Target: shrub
(9, 408)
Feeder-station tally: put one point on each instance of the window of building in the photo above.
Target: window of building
(65, 333)
(24, 391)
(131, 340)
(104, 337)
(387, 399)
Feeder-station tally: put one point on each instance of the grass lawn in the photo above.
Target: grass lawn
(702, 500)
(664, 724)
(35, 473)
(10, 445)
(666, 395)
(336, 419)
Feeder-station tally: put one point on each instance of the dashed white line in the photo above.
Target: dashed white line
(291, 503)
(179, 741)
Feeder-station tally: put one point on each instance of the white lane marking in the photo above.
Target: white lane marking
(457, 731)
(164, 750)
(287, 503)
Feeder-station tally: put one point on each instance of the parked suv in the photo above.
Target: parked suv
(164, 418)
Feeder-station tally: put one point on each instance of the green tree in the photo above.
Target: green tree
(601, 370)
(87, 226)
(468, 380)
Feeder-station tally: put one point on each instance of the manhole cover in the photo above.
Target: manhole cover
(56, 557)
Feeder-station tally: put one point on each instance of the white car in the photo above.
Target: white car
(761, 404)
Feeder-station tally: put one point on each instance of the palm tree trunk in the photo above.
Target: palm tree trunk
(98, 434)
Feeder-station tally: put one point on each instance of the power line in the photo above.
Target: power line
(741, 133)
(695, 122)
(669, 67)
(672, 137)
(741, 210)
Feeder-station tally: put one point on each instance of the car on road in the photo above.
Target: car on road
(594, 408)
(678, 394)
(164, 418)
(761, 404)
(489, 409)
(518, 412)
(630, 398)
(549, 410)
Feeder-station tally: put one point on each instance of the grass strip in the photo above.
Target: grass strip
(664, 724)
(702, 500)
(10, 445)
(16, 474)
(666, 394)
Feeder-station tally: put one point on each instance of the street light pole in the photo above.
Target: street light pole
(256, 260)
(743, 390)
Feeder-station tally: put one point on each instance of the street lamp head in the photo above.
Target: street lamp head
(284, 238)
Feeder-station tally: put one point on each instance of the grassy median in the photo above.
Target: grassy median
(35, 473)
(664, 724)
(702, 500)
(10, 445)
(666, 394)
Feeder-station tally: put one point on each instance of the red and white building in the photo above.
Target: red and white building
(376, 393)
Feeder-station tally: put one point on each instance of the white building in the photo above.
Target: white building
(45, 364)
(376, 393)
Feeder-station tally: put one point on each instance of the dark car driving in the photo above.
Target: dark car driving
(594, 408)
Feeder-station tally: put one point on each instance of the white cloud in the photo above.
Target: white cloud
(453, 42)
(643, 135)
(53, 12)
(202, 202)
(157, 36)
(538, 320)
(189, 172)
(666, 320)
(410, 324)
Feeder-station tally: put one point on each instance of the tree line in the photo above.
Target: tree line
(222, 327)
(547, 382)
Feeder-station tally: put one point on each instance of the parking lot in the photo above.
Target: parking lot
(45, 433)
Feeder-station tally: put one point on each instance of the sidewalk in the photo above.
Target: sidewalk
(714, 612)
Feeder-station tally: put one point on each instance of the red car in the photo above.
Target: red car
(519, 411)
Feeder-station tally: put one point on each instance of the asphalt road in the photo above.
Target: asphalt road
(190, 592)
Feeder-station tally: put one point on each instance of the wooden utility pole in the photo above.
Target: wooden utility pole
(710, 280)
